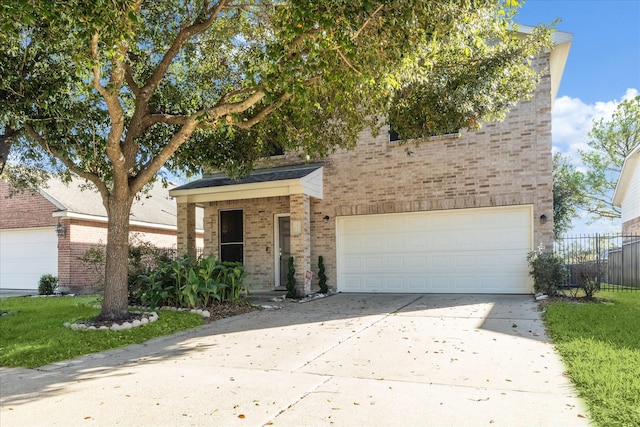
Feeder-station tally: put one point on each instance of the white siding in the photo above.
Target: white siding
(631, 201)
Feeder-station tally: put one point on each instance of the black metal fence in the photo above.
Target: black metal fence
(610, 259)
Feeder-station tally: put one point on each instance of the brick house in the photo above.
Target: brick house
(627, 193)
(46, 231)
(457, 215)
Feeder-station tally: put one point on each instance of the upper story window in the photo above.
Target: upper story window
(395, 137)
(275, 151)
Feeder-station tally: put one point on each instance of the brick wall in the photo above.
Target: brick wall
(24, 209)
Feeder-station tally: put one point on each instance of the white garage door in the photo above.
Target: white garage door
(25, 255)
(456, 251)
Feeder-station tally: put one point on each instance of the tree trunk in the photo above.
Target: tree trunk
(115, 304)
(6, 139)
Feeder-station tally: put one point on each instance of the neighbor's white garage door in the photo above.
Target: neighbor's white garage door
(456, 251)
(25, 255)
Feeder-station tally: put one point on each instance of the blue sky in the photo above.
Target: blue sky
(603, 68)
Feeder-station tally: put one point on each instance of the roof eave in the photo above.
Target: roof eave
(625, 176)
(310, 184)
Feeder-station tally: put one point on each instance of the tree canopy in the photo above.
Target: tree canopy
(610, 142)
(114, 91)
(568, 193)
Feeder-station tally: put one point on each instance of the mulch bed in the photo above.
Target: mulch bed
(220, 310)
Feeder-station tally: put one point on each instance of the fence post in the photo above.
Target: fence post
(598, 260)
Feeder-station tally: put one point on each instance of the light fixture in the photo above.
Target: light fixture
(60, 231)
(543, 219)
(325, 218)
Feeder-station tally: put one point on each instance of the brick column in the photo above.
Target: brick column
(300, 210)
(210, 225)
(65, 276)
(187, 229)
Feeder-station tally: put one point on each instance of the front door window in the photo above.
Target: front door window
(231, 236)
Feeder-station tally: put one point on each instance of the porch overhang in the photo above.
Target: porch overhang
(284, 181)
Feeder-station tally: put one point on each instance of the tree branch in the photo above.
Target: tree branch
(128, 77)
(346, 61)
(116, 114)
(262, 113)
(218, 111)
(357, 34)
(152, 167)
(152, 83)
(42, 142)
(96, 67)
(141, 119)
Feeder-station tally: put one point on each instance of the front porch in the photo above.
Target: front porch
(261, 221)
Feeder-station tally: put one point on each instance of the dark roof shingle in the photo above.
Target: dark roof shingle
(261, 175)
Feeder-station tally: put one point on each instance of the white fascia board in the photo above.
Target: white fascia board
(557, 62)
(97, 218)
(630, 163)
(47, 196)
(558, 56)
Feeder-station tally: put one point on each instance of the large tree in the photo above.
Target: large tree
(114, 91)
(610, 142)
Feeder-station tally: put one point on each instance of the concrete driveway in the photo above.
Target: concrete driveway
(346, 360)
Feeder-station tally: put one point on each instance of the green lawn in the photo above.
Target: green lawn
(32, 334)
(600, 345)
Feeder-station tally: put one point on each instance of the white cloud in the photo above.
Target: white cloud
(572, 120)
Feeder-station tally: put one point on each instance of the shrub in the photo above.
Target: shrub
(47, 284)
(191, 283)
(588, 275)
(143, 257)
(548, 271)
(93, 260)
(322, 277)
(291, 280)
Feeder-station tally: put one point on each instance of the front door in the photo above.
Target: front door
(283, 250)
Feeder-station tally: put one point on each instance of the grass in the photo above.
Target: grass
(600, 345)
(33, 335)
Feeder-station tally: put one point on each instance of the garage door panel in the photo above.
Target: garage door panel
(26, 255)
(475, 250)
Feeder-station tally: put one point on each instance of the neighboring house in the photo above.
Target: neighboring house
(627, 193)
(457, 215)
(46, 231)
